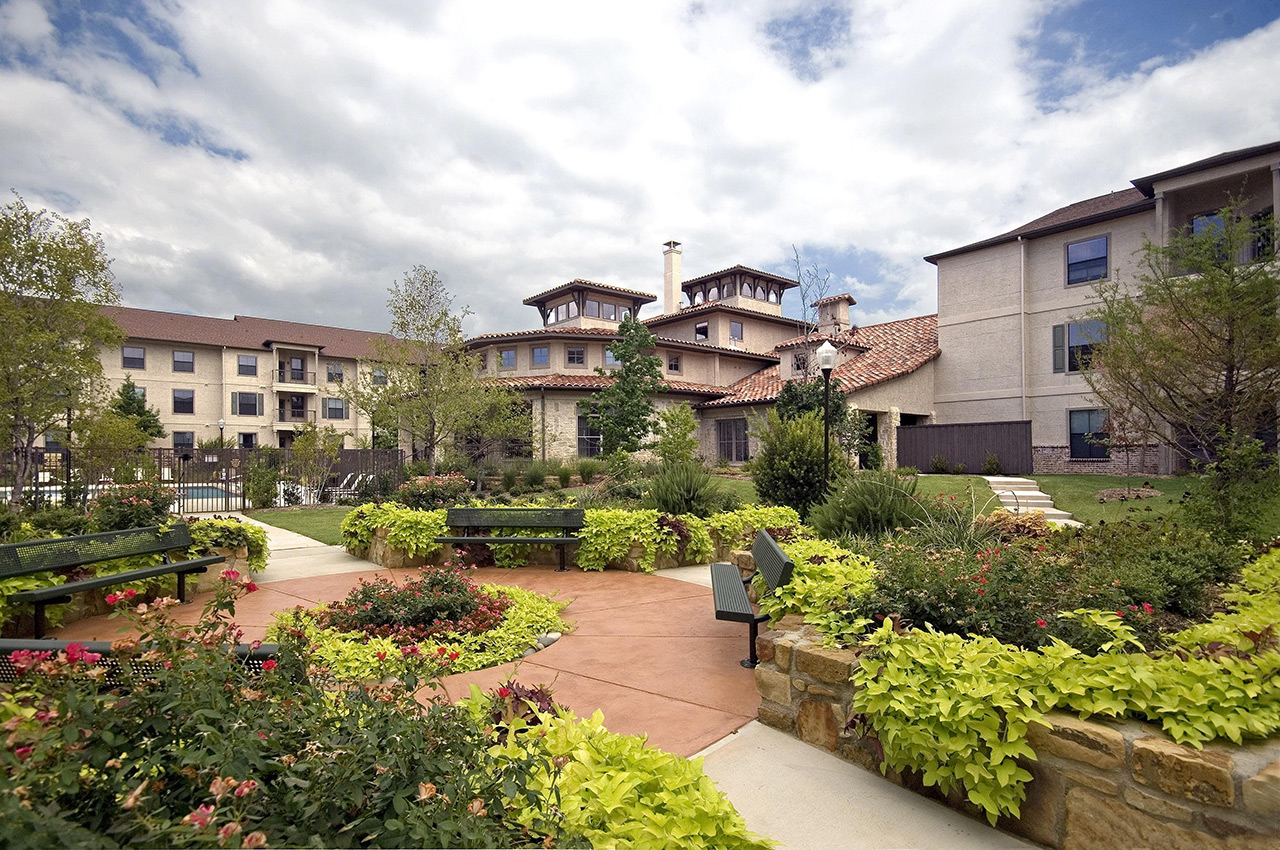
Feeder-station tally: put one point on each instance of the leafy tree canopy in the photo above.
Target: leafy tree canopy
(624, 409)
(128, 403)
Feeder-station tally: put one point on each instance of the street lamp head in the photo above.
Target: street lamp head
(222, 423)
(827, 356)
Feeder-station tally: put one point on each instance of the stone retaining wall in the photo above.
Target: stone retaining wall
(1096, 785)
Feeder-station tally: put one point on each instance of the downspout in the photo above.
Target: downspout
(1022, 321)
(542, 415)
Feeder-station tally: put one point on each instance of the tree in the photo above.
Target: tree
(128, 403)
(1192, 346)
(110, 444)
(814, 284)
(788, 468)
(54, 276)
(674, 441)
(427, 381)
(624, 409)
(315, 451)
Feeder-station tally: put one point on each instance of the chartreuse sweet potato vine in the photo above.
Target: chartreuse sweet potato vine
(957, 709)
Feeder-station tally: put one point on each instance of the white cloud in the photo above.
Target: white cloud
(25, 21)
(514, 147)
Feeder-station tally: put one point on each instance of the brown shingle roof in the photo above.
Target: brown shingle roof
(889, 350)
(241, 331)
(579, 283)
(1082, 213)
(595, 382)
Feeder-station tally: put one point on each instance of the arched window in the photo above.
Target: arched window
(730, 290)
(760, 295)
(774, 294)
(697, 297)
(713, 294)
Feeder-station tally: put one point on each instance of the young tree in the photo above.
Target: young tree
(624, 409)
(428, 382)
(315, 451)
(54, 275)
(1192, 346)
(814, 284)
(128, 403)
(674, 441)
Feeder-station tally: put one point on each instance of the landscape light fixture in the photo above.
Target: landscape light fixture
(826, 362)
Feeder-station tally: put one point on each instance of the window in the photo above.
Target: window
(333, 371)
(775, 295)
(484, 361)
(700, 332)
(507, 358)
(133, 357)
(247, 439)
(731, 440)
(247, 404)
(575, 357)
(139, 392)
(541, 355)
(610, 359)
(379, 377)
(1073, 344)
(247, 364)
(184, 440)
(730, 290)
(713, 294)
(334, 408)
(1087, 260)
(184, 361)
(592, 309)
(626, 313)
(588, 436)
(760, 294)
(562, 312)
(55, 441)
(1088, 434)
(184, 401)
(573, 309)
(673, 362)
(735, 331)
(799, 362)
(609, 311)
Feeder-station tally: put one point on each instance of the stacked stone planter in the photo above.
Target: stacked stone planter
(1095, 785)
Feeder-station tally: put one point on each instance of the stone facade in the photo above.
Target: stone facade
(1095, 785)
(1048, 460)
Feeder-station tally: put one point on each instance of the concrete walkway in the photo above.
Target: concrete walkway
(647, 651)
(1023, 495)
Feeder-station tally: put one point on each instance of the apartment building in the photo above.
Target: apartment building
(1010, 327)
(246, 379)
(725, 349)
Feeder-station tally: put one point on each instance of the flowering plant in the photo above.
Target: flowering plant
(427, 492)
(131, 506)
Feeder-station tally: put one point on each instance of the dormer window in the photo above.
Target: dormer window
(799, 362)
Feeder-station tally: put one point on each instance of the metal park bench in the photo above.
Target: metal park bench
(252, 659)
(730, 588)
(59, 553)
(476, 523)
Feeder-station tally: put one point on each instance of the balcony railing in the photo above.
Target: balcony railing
(294, 415)
(295, 376)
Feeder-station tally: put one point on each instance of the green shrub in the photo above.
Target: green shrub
(991, 465)
(825, 577)
(535, 475)
(873, 457)
(563, 474)
(262, 484)
(684, 488)
(906, 472)
(408, 530)
(957, 469)
(609, 535)
(1238, 487)
(510, 474)
(427, 492)
(788, 468)
(866, 503)
(674, 442)
(589, 468)
(737, 529)
(131, 506)
(229, 533)
(938, 465)
(55, 519)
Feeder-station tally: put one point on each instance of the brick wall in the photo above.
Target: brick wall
(1048, 460)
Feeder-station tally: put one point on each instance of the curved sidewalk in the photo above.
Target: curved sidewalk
(647, 651)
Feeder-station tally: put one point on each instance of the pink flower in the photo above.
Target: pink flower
(254, 839)
(200, 818)
(411, 649)
(981, 592)
(23, 753)
(250, 587)
(262, 735)
(130, 593)
(230, 575)
(1120, 613)
(77, 653)
(504, 692)
(113, 598)
(1146, 606)
(246, 787)
(269, 664)
(1041, 623)
(228, 831)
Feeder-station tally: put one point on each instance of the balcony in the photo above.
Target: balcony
(290, 416)
(296, 376)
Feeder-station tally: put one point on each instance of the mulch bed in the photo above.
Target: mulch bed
(1128, 494)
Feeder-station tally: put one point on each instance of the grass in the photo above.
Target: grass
(1079, 495)
(928, 486)
(744, 487)
(317, 523)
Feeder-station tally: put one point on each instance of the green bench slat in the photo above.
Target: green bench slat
(731, 600)
(547, 540)
(45, 594)
(252, 658)
(36, 556)
(731, 595)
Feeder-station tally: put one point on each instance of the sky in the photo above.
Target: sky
(293, 159)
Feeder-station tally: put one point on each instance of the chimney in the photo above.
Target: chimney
(671, 278)
(833, 313)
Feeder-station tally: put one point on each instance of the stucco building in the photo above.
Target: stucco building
(1009, 307)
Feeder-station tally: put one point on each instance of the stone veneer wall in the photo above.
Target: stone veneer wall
(1096, 785)
(1049, 460)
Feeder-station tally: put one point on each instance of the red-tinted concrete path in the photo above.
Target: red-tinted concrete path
(646, 650)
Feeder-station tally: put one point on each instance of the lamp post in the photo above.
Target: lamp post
(222, 423)
(826, 362)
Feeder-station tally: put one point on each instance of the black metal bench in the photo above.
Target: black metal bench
(481, 521)
(60, 553)
(730, 588)
(250, 657)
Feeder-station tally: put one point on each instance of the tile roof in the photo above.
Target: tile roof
(578, 282)
(536, 333)
(241, 331)
(1104, 207)
(888, 350)
(741, 268)
(831, 299)
(685, 312)
(813, 338)
(594, 382)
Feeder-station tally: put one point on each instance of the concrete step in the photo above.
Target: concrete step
(1049, 513)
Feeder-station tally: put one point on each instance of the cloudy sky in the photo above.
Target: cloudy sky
(291, 159)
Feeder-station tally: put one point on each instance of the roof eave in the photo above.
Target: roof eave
(1060, 227)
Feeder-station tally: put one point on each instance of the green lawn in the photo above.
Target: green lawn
(744, 487)
(317, 523)
(959, 486)
(1079, 495)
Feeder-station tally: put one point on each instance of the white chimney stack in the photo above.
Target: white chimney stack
(671, 278)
